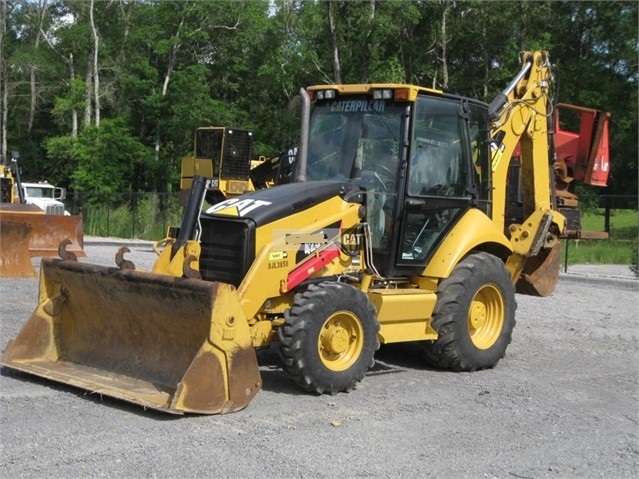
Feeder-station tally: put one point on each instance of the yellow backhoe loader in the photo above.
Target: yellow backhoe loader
(33, 222)
(395, 229)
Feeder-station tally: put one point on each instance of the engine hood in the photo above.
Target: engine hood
(270, 204)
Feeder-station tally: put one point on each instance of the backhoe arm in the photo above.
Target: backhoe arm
(522, 114)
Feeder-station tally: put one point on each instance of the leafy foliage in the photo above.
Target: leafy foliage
(165, 68)
(108, 158)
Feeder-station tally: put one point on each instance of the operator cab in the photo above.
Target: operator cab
(421, 156)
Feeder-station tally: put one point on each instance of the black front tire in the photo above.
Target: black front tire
(329, 338)
(474, 315)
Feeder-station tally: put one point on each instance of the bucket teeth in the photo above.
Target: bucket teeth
(121, 262)
(188, 271)
(63, 253)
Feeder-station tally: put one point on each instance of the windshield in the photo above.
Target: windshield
(37, 192)
(358, 139)
(349, 136)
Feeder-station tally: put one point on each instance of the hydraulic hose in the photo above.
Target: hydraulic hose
(191, 213)
(494, 109)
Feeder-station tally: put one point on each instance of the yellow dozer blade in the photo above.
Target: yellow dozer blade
(172, 344)
(48, 231)
(15, 261)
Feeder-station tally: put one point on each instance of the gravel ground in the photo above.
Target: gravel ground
(563, 403)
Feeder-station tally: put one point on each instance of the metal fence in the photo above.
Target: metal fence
(126, 215)
(615, 215)
(605, 205)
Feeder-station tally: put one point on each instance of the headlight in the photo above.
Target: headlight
(325, 94)
(385, 94)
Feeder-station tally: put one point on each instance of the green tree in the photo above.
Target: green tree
(595, 46)
(162, 68)
(108, 158)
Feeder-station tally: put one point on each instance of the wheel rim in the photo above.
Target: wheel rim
(340, 341)
(486, 316)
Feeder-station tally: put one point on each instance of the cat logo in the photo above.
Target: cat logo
(236, 207)
(352, 240)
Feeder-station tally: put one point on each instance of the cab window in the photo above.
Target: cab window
(436, 165)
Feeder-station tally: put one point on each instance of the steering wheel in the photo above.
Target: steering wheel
(384, 175)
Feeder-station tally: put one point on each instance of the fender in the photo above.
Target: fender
(474, 230)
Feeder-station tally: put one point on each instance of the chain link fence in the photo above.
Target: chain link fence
(126, 215)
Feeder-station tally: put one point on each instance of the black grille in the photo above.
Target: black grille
(208, 144)
(228, 249)
(236, 162)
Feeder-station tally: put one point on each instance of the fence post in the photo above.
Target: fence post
(135, 213)
(566, 257)
(607, 214)
(75, 208)
(165, 210)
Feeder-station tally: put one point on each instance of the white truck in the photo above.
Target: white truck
(46, 197)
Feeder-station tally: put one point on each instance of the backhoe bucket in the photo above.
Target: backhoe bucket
(49, 230)
(15, 261)
(541, 273)
(172, 344)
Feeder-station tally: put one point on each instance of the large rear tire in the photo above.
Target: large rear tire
(329, 338)
(474, 315)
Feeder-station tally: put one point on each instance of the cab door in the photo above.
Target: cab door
(441, 182)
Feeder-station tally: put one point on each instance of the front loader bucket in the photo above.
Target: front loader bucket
(541, 272)
(171, 344)
(15, 261)
(49, 231)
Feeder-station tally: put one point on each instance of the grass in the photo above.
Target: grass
(620, 248)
